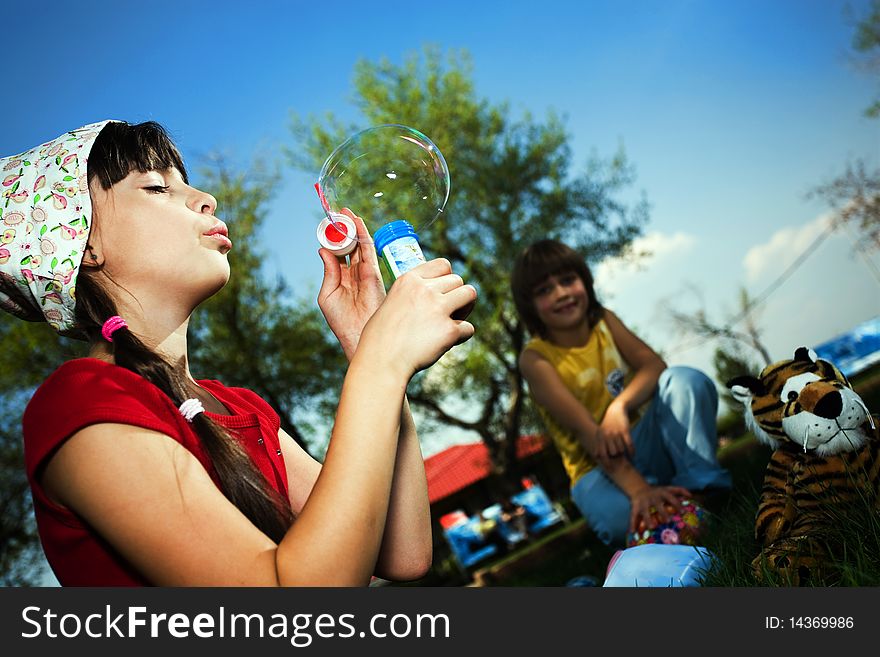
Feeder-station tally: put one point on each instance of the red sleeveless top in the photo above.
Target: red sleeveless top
(89, 391)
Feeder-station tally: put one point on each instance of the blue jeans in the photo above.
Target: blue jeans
(675, 444)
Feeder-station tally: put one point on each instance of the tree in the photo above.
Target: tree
(703, 328)
(731, 361)
(855, 194)
(866, 41)
(512, 184)
(28, 354)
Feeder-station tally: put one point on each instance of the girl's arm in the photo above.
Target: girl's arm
(156, 505)
(349, 296)
(406, 550)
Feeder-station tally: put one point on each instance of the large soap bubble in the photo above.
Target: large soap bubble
(383, 174)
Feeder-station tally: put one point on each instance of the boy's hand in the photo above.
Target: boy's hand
(655, 504)
(613, 438)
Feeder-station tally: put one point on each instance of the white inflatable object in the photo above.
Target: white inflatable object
(658, 565)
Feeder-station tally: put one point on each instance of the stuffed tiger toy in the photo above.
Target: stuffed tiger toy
(825, 461)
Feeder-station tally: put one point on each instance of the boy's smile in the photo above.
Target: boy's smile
(561, 301)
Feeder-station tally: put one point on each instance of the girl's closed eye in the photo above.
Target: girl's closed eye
(157, 189)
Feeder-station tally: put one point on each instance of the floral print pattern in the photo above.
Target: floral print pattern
(684, 528)
(45, 216)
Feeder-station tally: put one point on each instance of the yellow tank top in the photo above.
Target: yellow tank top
(595, 374)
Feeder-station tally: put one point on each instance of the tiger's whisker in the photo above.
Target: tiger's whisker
(867, 412)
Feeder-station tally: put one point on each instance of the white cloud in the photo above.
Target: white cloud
(645, 253)
(777, 253)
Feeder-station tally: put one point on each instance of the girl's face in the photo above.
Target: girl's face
(152, 231)
(561, 301)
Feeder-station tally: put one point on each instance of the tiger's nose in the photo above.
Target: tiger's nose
(829, 406)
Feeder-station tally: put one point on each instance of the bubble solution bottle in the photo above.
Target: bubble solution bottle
(398, 244)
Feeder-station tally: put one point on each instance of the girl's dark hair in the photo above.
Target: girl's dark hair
(534, 265)
(119, 149)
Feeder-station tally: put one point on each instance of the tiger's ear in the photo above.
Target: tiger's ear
(805, 354)
(743, 388)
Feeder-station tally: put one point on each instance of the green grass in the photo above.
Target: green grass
(852, 543)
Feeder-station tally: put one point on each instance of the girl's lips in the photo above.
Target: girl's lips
(566, 308)
(220, 237)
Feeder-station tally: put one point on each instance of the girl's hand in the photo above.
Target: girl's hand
(613, 438)
(414, 325)
(653, 504)
(351, 293)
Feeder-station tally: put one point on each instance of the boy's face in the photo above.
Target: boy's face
(561, 301)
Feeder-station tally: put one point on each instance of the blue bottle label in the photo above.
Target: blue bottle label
(402, 255)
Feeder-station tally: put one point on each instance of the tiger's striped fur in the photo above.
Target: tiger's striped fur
(826, 461)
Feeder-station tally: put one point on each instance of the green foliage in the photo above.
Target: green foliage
(512, 183)
(855, 194)
(19, 551)
(866, 41)
(731, 361)
(29, 352)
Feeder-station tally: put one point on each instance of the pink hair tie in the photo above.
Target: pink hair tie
(111, 326)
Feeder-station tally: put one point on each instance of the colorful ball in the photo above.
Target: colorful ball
(683, 528)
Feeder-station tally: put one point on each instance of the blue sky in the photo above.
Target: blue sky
(730, 111)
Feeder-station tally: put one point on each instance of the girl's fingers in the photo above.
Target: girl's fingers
(465, 332)
(459, 297)
(465, 311)
(628, 444)
(366, 250)
(446, 283)
(332, 273)
(433, 268)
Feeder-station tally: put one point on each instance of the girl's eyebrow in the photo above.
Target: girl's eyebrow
(145, 174)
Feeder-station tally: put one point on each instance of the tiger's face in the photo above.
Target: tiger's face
(806, 401)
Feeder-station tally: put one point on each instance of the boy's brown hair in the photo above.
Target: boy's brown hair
(534, 265)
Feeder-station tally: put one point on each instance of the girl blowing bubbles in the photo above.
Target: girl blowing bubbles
(607, 399)
(142, 474)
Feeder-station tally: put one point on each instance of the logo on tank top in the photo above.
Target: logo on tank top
(614, 382)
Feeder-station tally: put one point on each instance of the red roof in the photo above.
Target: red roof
(460, 466)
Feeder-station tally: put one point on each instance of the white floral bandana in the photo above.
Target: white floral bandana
(45, 217)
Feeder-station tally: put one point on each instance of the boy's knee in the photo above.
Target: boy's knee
(683, 380)
(609, 521)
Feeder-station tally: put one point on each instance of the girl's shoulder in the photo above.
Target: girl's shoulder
(90, 379)
(88, 391)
